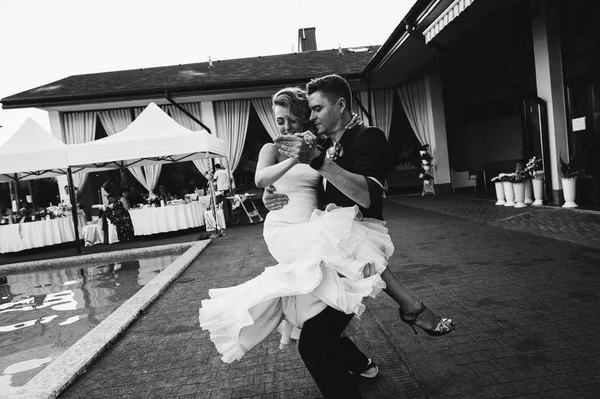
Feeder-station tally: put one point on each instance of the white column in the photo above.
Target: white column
(549, 79)
(437, 122)
(208, 115)
(208, 118)
(55, 125)
(56, 130)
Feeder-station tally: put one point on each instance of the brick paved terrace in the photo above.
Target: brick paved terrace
(522, 285)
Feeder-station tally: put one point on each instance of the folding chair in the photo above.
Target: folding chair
(250, 210)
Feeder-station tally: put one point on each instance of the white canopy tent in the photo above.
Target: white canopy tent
(153, 137)
(32, 153)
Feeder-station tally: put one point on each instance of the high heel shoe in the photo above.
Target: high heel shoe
(443, 327)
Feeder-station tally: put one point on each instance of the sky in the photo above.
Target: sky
(42, 41)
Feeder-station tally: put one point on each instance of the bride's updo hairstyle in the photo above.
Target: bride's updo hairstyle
(296, 101)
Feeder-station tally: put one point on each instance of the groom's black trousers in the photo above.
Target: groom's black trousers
(328, 357)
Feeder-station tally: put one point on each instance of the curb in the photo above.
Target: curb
(125, 254)
(52, 380)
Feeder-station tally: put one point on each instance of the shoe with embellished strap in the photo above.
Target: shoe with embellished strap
(443, 326)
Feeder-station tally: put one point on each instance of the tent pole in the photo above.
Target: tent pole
(31, 190)
(12, 197)
(214, 202)
(74, 209)
(16, 192)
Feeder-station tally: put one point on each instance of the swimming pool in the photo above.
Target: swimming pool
(43, 313)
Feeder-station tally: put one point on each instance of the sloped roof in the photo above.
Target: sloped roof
(242, 73)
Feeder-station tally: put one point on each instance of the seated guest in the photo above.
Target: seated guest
(135, 198)
(163, 195)
(118, 215)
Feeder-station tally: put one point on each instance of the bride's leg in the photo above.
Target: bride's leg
(407, 302)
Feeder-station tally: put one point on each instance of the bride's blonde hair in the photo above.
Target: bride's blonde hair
(296, 101)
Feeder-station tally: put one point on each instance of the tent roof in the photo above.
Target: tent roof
(153, 137)
(32, 153)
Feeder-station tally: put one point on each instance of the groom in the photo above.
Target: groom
(352, 165)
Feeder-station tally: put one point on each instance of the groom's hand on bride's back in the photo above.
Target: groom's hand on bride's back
(274, 200)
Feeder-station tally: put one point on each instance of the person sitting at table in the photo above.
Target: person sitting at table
(135, 198)
(163, 194)
(118, 215)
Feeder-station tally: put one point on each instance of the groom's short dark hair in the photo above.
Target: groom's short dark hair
(333, 87)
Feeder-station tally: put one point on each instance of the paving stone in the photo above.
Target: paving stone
(522, 286)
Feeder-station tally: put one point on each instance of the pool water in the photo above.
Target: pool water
(43, 313)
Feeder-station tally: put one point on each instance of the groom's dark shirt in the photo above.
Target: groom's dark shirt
(366, 152)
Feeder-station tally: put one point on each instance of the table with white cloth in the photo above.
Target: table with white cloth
(93, 234)
(21, 236)
(153, 220)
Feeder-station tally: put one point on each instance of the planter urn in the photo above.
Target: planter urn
(499, 193)
(509, 193)
(519, 190)
(528, 192)
(538, 191)
(569, 190)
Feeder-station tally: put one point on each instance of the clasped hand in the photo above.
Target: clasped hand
(300, 146)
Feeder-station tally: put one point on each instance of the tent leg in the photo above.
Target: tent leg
(74, 209)
(214, 199)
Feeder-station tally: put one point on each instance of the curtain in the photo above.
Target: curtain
(414, 101)
(383, 101)
(263, 107)
(231, 117)
(79, 127)
(363, 97)
(147, 175)
(203, 165)
(115, 120)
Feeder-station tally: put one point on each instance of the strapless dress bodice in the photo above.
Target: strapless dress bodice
(300, 184)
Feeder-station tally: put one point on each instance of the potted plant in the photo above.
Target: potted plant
(499, 190)
(535, 168)
(569, 181)
(509, 192)
(519, 179)
(426, 174)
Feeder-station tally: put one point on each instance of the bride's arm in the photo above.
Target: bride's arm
(268, 171)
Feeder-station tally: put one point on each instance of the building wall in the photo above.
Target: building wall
(473, 145)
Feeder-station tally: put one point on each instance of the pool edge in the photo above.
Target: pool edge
(59, 374)
(125, 254)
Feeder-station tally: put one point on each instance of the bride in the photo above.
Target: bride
(325, 258)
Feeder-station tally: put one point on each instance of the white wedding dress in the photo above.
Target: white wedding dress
(321, 257)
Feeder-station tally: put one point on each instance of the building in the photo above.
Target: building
(485, 83)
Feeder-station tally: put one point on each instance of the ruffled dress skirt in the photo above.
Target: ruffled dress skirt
(335, 259)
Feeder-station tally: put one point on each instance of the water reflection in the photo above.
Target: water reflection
(44, 313)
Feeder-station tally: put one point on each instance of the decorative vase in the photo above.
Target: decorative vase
(569, 187)
(499, 193)
(519, 190)
(509, 193)
(528, 192)
(538, 191)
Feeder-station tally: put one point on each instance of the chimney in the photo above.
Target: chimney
(307, 39)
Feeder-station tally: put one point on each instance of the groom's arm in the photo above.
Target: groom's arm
(364, 185)
(352, 185)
